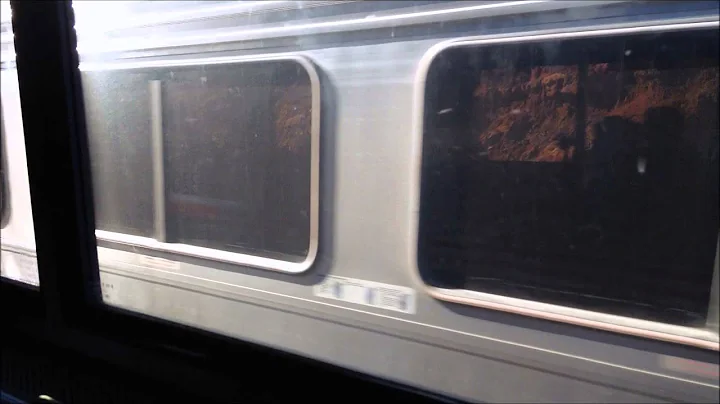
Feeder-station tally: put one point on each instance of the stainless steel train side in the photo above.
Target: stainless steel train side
(368, 65)
(18, 239)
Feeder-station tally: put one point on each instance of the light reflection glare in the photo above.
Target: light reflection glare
(101, 45)
(5, 11)
(100, 16)
(95, 17)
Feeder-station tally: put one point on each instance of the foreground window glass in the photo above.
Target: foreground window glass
(17, 237)
(578, 173)
(208, 160)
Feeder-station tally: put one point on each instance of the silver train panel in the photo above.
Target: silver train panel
(17, 234)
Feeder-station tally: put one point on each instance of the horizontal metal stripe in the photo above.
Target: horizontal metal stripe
(220, 10)
(321, 26)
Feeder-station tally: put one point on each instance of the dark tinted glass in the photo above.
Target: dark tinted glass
(236, 155)
(581, 173)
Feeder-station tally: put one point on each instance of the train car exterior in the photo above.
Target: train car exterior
(494, 201)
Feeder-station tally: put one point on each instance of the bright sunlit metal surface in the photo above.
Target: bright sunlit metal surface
(101, 16)
(5, 11)
(7, 39)
(18, 260)
(90, 42)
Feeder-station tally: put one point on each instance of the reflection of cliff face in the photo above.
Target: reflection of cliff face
(524, 116)
(293, 114)
(530, 115)
(239, 146)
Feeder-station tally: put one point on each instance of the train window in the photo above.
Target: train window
(579, 173)
(213, 160)
(4, 210)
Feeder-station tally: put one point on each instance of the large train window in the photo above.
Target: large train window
(576, 173)
(218, 161)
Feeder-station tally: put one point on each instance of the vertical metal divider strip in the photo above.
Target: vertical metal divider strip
(713, 317)
(4, 183)
(158, 160)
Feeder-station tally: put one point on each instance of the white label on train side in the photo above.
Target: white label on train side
(366, 293)
(20, 267)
